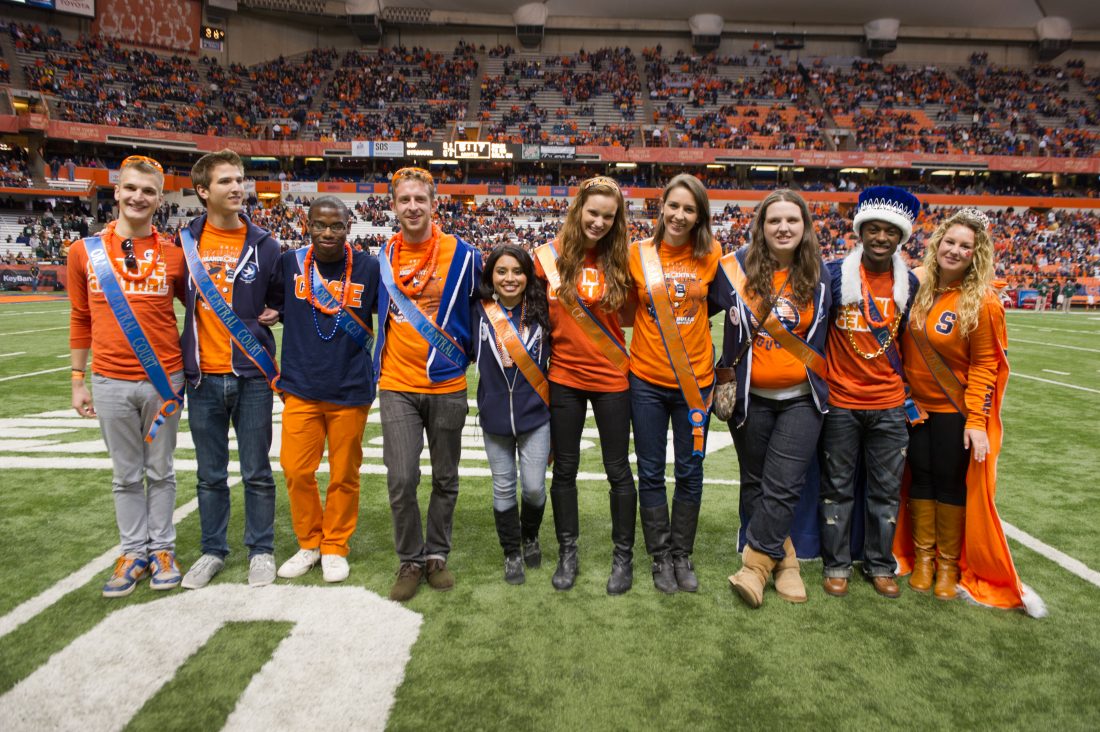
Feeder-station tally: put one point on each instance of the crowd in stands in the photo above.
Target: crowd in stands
(13, 169)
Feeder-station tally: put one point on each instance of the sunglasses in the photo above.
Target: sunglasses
(134, 159)
(128, 250)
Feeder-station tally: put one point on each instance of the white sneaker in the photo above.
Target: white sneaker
(202, 571)
(334, 567)
(300, 563)
(261, 570)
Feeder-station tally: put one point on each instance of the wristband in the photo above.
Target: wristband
(78, 375)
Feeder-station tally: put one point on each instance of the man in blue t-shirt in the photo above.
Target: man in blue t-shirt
(328, 385)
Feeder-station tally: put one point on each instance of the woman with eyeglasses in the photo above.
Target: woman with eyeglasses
(589, 281)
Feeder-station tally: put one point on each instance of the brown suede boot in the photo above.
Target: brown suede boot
(950, 523)
(750, 580)
(788, 576)
(922, 515)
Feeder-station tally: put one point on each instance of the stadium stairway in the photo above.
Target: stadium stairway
(18, 76)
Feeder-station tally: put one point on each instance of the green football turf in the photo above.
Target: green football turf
(494, 656)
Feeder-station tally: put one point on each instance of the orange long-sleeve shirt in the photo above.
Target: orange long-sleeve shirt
(973, 359)
(92, 324)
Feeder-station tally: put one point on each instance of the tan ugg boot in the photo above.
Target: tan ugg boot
(788, 576)
(750, 580)
(922, 514)
(950, 523)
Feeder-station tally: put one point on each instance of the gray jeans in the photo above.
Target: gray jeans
(405, 418)
(881, 438)
(534, 451)
(144, 480)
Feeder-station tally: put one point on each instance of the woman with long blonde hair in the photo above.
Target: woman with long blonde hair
(586, 270)
(954, 355)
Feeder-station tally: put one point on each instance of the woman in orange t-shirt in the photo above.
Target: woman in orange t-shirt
(683, 259)
(586, 268)
(781, 400)
(955, 364)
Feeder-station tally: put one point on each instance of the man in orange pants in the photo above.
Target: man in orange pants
(328, 385)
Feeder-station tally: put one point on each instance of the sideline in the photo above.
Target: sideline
(1063, 560)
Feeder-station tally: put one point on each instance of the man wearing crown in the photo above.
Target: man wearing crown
(121, 284)
(867, 417)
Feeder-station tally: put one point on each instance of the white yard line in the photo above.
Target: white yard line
(36, 330)
(27, 610)
(35, 373)
(16, 353)
(1059, 373)
(1060, 330)
(1013, 341)
(1056, 383)
(1063, 560)
(35, 312)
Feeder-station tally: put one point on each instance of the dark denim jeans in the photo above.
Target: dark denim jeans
(218, 401)
(651, 408)
(881, 437)
(774, 445)
(568, 408)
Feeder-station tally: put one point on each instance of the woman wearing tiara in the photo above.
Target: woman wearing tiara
(954, 355)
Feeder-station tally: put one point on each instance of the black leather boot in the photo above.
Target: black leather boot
(658, 543)
(623, 521)
(567, 528)
(530, 519)
(685, 520)
(508, 530)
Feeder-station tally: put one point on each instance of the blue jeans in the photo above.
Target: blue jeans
(881, 438)
(651, 408)
(218, 401)
(533, 448)
(774, 445)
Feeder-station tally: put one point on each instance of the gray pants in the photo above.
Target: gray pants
(405, 418)
(144, 481)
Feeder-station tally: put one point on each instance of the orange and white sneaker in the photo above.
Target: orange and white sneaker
(129, 569)
(165, 572)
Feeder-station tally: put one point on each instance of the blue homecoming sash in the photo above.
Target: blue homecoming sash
(240, 334)
(352, 325)
(437, 338)
(139, 343)
(913, 412)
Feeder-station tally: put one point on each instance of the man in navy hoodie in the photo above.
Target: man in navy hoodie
(228, 358)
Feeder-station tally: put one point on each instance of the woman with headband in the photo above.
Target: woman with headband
(954, 355)
(586, 269)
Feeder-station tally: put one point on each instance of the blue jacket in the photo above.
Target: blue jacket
(738, 325)
(254, 288)
(337, 370)
(460, 293)
(504, 411)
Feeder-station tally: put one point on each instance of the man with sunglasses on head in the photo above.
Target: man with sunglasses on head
(228, 357)
(121, 285)
(430, 285)
(327, 381)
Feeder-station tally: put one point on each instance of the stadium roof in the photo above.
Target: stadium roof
(1082, 14)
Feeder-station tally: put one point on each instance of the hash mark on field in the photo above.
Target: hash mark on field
(1056, 383)
(1060, 373)
(1014, 324)
(16, 353)
(36, 330)
(34, 373)
(1063, 560)
(46, 312)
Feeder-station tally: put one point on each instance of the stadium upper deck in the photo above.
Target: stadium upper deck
(608, 97)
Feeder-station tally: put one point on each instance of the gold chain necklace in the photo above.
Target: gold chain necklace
(854, 311)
